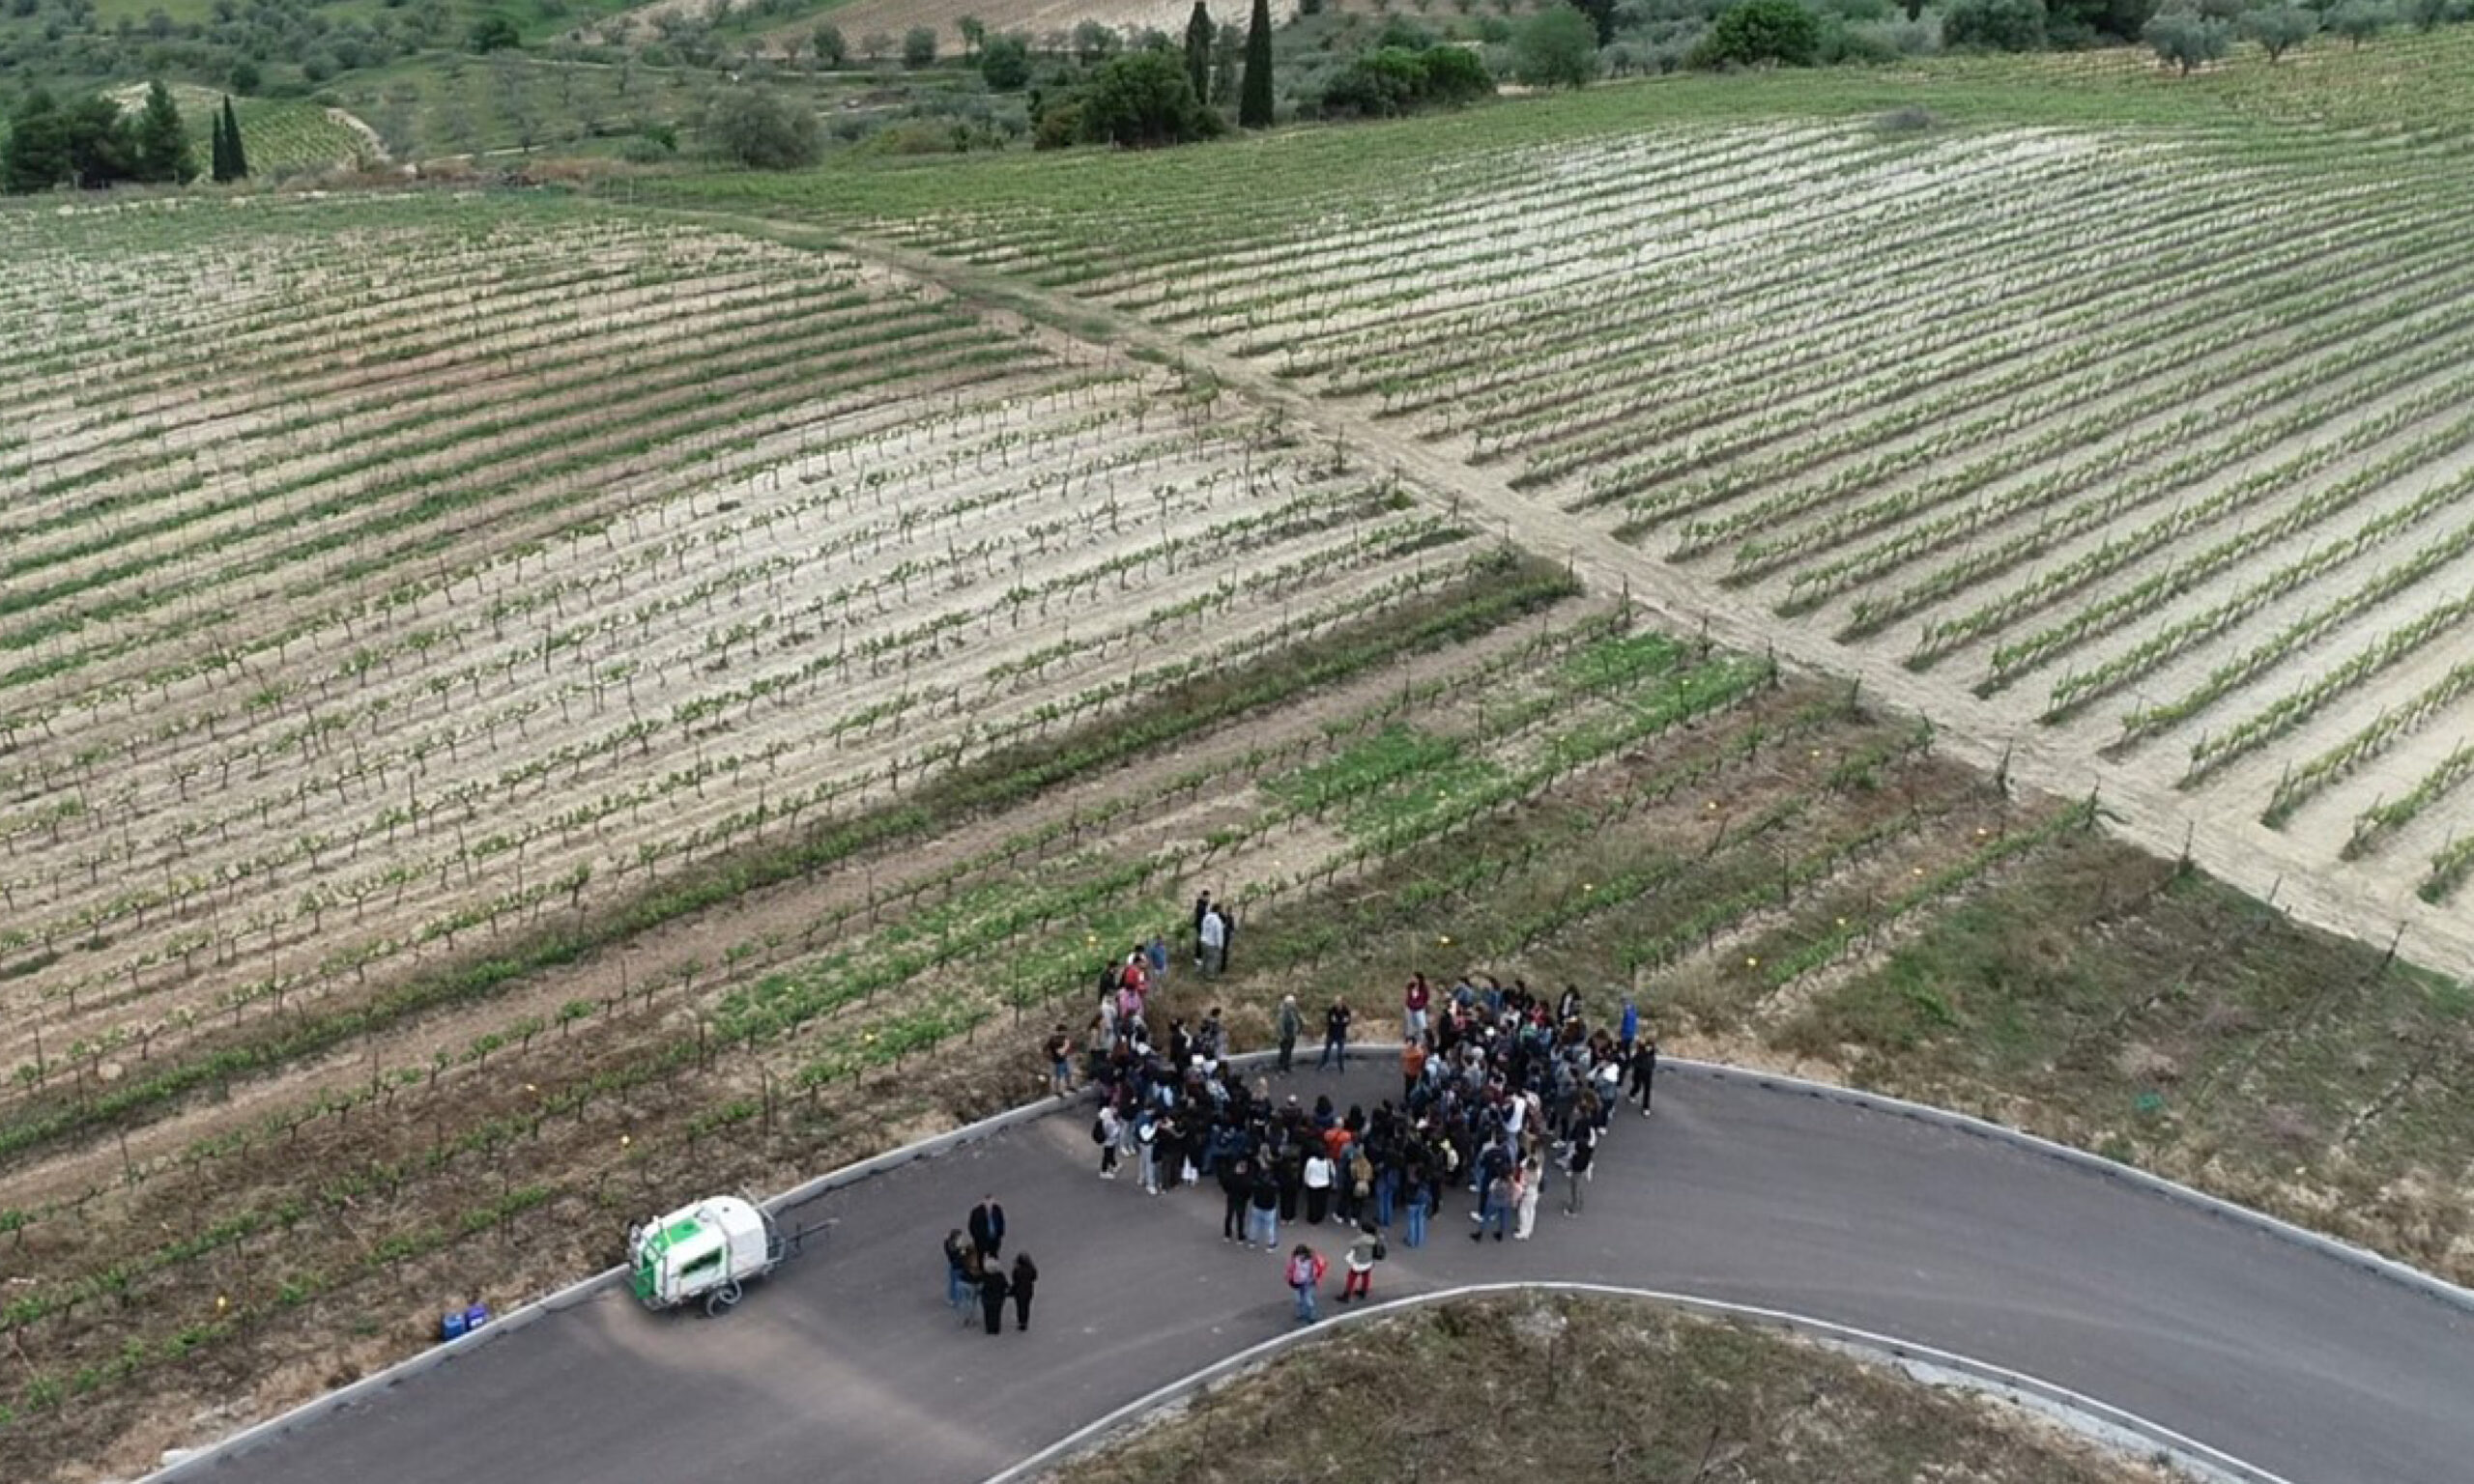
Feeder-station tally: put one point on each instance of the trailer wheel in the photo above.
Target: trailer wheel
(723, 1300)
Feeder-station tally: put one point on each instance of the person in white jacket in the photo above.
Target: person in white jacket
(1532, 1184)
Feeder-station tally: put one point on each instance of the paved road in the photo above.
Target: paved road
(848, 1365)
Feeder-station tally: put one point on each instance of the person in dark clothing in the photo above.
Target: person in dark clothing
(992, 1289)
(1026, 1276)
(1644, 1069)
(1336, 1036)
(1236, 1183)
(988, 1227)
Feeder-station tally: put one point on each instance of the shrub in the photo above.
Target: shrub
(919, 46)
(1758, 31)
(1556, 48)
(1456, 75)
(757, 129)
(1995, 25)
(1005, 63)
(2095, 23)
(1381, 84)
(1058, 125)
(493, 33)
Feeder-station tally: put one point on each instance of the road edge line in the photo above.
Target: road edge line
(2405, 1274)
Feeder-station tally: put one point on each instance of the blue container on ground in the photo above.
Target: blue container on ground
(476, 1315)
(451, 1324)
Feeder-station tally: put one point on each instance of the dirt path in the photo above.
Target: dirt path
(2142, 808)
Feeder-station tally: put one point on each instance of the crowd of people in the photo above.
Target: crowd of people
(1499, 1087)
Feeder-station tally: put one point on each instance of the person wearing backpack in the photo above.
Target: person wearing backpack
(1305, 1268)
(1291, 1025)
(1363, 1254)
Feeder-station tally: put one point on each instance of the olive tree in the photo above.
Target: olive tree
(2280, 28)
(2187, 38)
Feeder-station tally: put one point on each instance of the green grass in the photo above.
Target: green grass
(1565, 1386)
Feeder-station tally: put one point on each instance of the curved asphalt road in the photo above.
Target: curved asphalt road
(846, 1364)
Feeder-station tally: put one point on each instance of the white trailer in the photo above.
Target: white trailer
(708, 1250)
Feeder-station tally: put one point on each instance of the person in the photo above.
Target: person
(1202, 909)
(1584, 1155)
(1363, 1254)
(1532, 1185)
(1414, 1002)
(1026, 1276)
(1413, 1066)
(992, 1289)
(1262, 1209)
(1645, 1068)
(1212, 937)
(1501, 1196)
(1317, 1179)
(1417, 1200)
(1628, 1030)
(958, 1256)
(1335, 1035)
(1146, 1144)
(1236, 1183)
(1305, 1268)
(1109, 1129)
(1060, 1063)
(1292, 1023)
(987, 1228)
(1568, 1007)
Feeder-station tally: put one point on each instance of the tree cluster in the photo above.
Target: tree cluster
(1393, 81)
(1761, 32)
(91, 142)
(1140, 99)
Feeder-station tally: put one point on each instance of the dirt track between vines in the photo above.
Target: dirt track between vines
(2138, 797)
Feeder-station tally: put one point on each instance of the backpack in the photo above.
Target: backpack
(1099, 1130)
(1380, 1250)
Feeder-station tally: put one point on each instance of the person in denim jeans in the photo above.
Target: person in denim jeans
(958, 1254)
(1501, 1199)
(1262, 1210)
(1305, 1275)
(1416, 1203)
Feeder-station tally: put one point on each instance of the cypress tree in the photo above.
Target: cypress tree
(1255, 93)
(240, 160)
(219, 154)
(1198, 52)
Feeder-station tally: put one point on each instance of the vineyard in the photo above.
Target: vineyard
(2144, 451)
(514, 710)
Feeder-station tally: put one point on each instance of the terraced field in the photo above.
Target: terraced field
(514, 709)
